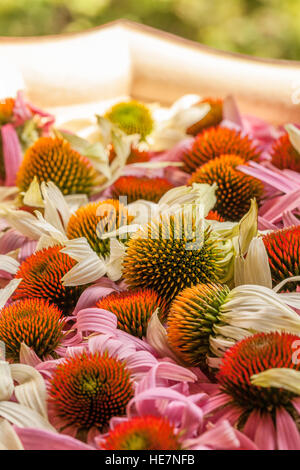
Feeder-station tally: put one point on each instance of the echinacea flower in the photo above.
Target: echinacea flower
(170, 254)
(259, 390)
(134, 309)
(53, 159)
(134, 188)
(41, 275)
(95, 219)
(143, 433)
(88, 389)
(132, 117)
(214, 142)
(34, 322)
(234, 189)
(96, 380)
(212, 118)
(206, 319)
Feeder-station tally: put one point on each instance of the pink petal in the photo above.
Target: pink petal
(22, 112)
(12, 153)
(231, 112)
(176, 153)
(261, 430)
(39, 439)
(92, 294)
(288, 436)
(278, 181)
(288, 202)
(220, 436)
(11, 240)
(289, 219)
(264, 224)
(96, 320)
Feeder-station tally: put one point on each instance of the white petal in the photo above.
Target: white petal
(294, 135)
(78, 249)
(288, 379)
(196, 194)
(31, 391)
(8, 290)
(114, 265)
(9, 440)
(6, 381)
(33, 196)
(75, 201)
(255, 268)
(23, 417)
(22, 221)
(157, 337)
(9, 264)
(187, 117)
(89, 270)
(52, 194)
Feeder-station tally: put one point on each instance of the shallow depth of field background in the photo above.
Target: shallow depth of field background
(267, 28)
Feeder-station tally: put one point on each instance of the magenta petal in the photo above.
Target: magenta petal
(272, 178)
(288, 436)
(96, 320)
(12, 153)
(289, 219)
(39, 439)
(264, 224)
(92, 294)
(11, 240)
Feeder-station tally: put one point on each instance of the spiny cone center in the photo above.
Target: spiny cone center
(89, 389)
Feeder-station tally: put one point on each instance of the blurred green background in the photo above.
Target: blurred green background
(268, 28)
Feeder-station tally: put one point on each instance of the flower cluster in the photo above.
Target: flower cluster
(150, 279)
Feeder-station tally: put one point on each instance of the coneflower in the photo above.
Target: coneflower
(41, 275)
(135, 188)
(259, 388)
(95, 219)
(34, 322)
(142, 433)
(132, 117)
(283, 249)
(166, 257)
(212, 118)
(87, 390)
(213, 143)
(134, 309)
(53, 159)
(284, 155)
(234, 189)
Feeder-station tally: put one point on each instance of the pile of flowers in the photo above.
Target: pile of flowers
(150, 277)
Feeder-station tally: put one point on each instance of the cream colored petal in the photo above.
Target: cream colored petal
(6, 381)
(78, 248)
(33, 196)
(248, 227)
(8, 290)
(157, 337)
(22, 221)
(9, 264)
(31, 391)
(23, 417)
(89, 270)
(9, 439)
(288, 379)
(55, 198)
(255, 268)
(294, 135)
(114, 265)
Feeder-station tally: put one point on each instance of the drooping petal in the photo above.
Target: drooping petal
(288, 436)
(38, 439)
(12, 153)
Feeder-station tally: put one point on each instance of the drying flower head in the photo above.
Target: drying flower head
(34, 322)
(87, 390)
(212, 118)
(214, 142)
(143, 433)
(283, 249)
(132, 117)
(284, 155)
(191, 319)
(251, 356)
(234, 189)
(134, 309)
(41, 275)
(169, 255)
(135, 188)
(95, 219)
(53, 159)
